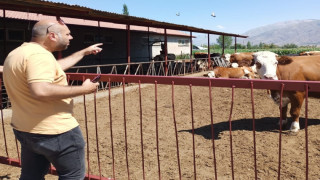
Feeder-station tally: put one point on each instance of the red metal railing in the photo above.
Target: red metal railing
(100, 169)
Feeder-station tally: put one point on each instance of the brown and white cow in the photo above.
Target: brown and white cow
(202, 64)
(303, 68)
(310, 53)
(224, 72)
(242, 59)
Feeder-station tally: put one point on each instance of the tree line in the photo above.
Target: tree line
(228, 44)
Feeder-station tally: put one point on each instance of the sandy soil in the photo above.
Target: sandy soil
(293, 156)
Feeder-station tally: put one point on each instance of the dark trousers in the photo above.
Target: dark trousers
(65, 151)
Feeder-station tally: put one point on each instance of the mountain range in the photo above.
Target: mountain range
(299, 32)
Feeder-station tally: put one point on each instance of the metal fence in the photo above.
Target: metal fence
(129, 140)
(154, 68)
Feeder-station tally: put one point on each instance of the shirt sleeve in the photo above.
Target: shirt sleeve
(40, 68)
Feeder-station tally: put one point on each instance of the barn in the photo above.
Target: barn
(86, 32)
(126, 39)
(215, 129)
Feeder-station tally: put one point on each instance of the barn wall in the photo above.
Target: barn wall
(24, 26)
(114, 47)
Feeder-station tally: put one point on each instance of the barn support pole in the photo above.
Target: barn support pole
(59, 52)
(235, 44)
(166, 51)
(209, 59)
(100, 41)
(149, 54)
(222, 44)
(191, 44)
(59, 55)
(4, 35)
(128, 47)
(190, 53)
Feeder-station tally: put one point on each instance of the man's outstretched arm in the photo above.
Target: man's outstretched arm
(74, 58)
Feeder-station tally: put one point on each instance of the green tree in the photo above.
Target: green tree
(290, 46)
(227, 41)
(125, 10)
(272, 46)
(261, 45)
(249, 46)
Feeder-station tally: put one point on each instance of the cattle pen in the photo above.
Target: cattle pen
(156, 127)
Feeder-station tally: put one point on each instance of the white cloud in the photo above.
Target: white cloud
(220, 27)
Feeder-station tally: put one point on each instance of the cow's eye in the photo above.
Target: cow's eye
(258, 65)
(276, 62)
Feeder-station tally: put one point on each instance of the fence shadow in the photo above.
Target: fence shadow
(264, 124)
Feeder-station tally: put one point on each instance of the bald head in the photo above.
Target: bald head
(51, 34)
(41, 28)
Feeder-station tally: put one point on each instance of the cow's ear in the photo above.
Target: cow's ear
(283, 60)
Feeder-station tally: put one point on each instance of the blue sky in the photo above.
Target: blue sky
(232, 16)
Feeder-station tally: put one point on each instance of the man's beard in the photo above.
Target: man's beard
(61, 47)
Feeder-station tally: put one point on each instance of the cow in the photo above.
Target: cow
(202, 60)
(224, 72)
(202, 64)
(241, 59)
(309, 53)
(200, 55)
(244, 59)
(205, 55)
(226, 57)
(303, 68)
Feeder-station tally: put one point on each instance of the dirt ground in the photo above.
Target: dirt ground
(293, 154)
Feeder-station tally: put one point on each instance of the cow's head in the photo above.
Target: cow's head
(226, 57)
(266, 64)
(248, 73)
(211, 74)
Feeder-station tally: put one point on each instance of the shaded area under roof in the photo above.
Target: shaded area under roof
(60, 9)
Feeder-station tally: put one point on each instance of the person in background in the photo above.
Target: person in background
(42, 108)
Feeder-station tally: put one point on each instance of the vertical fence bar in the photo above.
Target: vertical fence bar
(3, 129)
(18, 153)
(111, 133)
(306, 131)
(97, 134)
(280, 131)
(254, 134)
(230, 131)
(193, 140)
(212, 132)
(157, 128)
(141, 131)
(176, 130)
(125, 124)
(87, 132)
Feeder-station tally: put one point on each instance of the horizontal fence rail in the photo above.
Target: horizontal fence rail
(128, 136)
(154, 68)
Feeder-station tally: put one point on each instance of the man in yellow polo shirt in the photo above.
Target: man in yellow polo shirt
(41, 101)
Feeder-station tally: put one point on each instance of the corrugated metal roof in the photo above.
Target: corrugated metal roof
(75, 11)
(75, 21)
